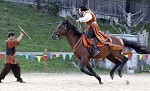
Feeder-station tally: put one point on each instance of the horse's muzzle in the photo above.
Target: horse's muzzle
(54, 36)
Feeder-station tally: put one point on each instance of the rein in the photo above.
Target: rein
(78, 42)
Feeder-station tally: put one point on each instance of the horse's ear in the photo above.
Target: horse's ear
(66, 21)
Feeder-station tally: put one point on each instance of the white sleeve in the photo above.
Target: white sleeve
(87, 17)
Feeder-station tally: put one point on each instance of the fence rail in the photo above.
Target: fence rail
(38, 53)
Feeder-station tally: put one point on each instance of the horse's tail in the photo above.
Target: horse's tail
(136, 46)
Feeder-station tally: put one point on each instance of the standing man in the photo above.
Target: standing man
(93, 31)
(10, 61)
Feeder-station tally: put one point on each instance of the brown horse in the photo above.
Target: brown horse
(80, 51)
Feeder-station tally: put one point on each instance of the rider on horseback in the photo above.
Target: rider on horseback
(93, 31)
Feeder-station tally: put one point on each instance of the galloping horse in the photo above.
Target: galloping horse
(74, 38)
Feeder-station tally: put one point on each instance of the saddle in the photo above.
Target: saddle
(88, 43)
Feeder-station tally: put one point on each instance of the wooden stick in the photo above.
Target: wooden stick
(24, 32)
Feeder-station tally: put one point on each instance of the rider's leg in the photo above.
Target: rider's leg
(91, 35)
(96, 51)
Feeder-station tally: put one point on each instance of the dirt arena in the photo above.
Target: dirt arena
(75, 82)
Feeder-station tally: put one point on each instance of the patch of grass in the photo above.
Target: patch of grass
(56, 65)
(14, 15)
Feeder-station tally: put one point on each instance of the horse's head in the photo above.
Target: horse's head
(61, 30)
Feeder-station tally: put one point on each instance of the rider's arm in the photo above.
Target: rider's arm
(87, 17)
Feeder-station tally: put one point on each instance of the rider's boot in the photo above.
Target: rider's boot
(96, 51)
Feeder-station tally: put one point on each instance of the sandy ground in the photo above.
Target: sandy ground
(75, 82)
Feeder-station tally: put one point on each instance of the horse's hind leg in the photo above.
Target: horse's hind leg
(117, 64)
(124, 60)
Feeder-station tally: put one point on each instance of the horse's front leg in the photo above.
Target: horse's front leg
(84, 70)
(84, 61)
(94, 73)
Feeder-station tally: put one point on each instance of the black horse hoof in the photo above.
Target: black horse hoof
(120, 74)
(112, 76)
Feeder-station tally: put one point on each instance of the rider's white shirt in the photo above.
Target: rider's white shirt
(86, 17)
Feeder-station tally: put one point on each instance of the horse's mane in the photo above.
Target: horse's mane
(73, 29)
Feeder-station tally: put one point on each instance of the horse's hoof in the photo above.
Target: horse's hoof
(101, 83)
(120, 74)
(112, 76)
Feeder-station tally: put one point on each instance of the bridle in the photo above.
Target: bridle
(58, 31)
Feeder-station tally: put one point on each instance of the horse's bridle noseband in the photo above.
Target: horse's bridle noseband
(58, 37)
(57, 34)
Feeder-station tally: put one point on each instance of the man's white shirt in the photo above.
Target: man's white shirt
(86, 17)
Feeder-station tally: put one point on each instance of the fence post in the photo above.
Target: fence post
(143, 40)
(45, 59)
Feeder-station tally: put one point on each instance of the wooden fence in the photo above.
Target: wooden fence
(103, 8)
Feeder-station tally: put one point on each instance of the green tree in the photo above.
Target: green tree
(53, 7)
